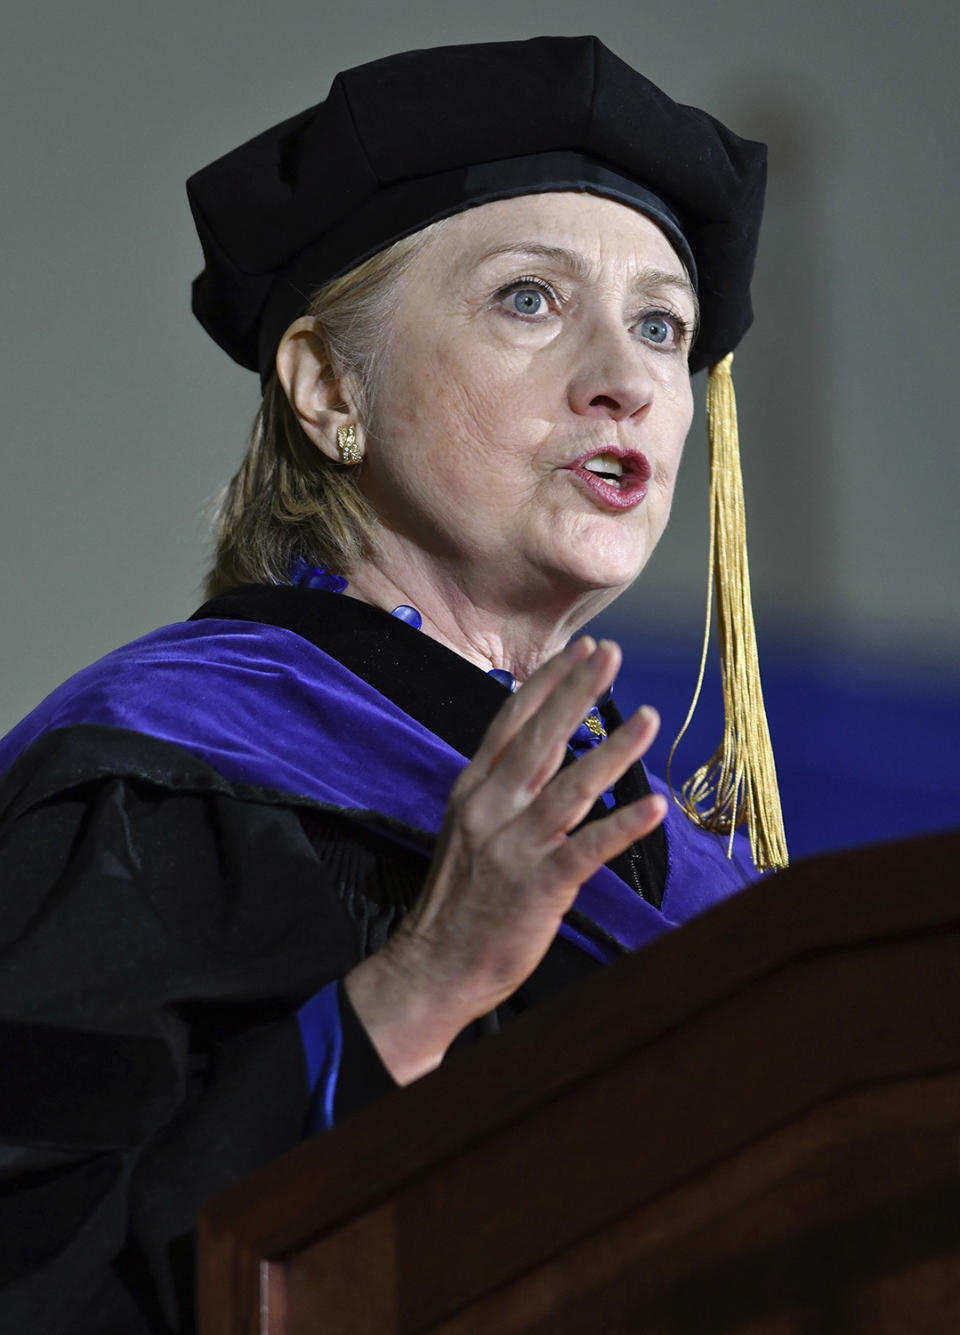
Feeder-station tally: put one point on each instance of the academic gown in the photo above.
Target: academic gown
(199, 836)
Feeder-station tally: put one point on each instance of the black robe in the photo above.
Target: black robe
(161, 925)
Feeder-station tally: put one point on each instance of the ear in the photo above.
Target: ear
(317, 396)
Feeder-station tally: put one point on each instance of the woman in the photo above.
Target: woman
(270, 863)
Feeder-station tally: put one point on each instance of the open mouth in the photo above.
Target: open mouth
(618, 478)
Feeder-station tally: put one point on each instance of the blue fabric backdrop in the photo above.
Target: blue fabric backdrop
(866, 750)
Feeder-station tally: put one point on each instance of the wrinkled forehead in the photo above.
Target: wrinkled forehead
(554, 177)
(587, 236)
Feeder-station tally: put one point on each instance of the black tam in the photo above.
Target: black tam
(404, 141)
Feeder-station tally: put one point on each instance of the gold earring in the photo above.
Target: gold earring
(350, 451)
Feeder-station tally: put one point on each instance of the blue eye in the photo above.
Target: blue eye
(528, 297)
(528, 301)
(657, 329)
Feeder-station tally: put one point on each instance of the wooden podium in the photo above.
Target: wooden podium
(751, 1126)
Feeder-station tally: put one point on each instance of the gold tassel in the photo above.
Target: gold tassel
(740, 781)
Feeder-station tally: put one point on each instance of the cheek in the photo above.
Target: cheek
(678, 420)
(456, 407)
(664, 483)
(667, 464)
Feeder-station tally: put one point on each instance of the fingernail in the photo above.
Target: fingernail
(637, 723)
(640, 720)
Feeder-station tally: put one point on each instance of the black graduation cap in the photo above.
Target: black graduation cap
(406, 140)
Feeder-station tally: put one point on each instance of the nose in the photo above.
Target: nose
(612, 379)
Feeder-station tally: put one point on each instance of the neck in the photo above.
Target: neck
(486, 626)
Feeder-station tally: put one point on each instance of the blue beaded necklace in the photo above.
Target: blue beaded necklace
(303, 576)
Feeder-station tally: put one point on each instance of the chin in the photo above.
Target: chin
(601, 576)
(610, 565)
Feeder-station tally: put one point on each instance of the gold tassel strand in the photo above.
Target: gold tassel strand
(740, 779)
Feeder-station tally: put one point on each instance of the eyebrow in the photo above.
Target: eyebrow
(577, 265)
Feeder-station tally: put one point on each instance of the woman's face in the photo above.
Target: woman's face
(534, 400)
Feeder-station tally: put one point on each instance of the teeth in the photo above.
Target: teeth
(604, 463)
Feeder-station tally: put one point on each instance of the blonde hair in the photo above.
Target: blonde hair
(287, 498)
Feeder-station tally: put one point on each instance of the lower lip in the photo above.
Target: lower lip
(628, 494)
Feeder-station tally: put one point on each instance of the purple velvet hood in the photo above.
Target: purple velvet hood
(268, 709)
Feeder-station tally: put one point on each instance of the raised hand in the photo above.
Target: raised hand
(507, 866)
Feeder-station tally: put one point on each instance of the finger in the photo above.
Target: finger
(519, 707)
(580, 855)
(567, 799)
(534, 754)
(487, 801)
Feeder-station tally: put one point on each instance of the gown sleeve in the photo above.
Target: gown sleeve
(344, 1070)
(162, 944)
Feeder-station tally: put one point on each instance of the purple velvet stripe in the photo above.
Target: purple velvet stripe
(266, 708)
(322, 1038)
(597, 950)
(699, 873)
(263, 707)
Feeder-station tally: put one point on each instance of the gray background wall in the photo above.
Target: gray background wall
(121, 419)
